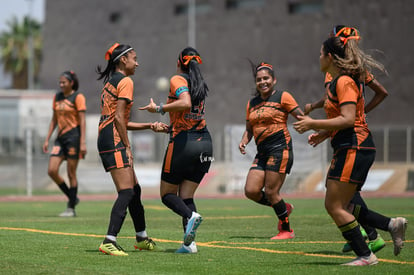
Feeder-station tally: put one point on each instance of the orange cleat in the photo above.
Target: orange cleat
(284, 235)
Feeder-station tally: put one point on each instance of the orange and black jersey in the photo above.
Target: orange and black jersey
(119, 87)
(268, 119)
(368, 78)
(191, 119)
(67, 110)
(345, 90)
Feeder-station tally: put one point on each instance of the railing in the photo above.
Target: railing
(394, 143)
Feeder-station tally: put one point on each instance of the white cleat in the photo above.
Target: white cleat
(397, 228)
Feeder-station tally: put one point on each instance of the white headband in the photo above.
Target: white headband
(121, 54)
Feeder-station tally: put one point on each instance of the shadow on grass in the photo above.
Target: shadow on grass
(249, 237)
(133, 251)
(322, 263)
(328, 252)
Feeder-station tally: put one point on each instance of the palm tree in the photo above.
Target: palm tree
(14, 52)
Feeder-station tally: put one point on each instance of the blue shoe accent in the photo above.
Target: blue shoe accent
(192, 248)
(191, 229)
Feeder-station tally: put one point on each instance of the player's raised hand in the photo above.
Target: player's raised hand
(151, 107)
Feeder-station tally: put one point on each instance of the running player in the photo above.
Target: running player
(115, 149)
(354, 149)
(69, 108)
(189, 153)
(266, 119)
(380, 92)
(375, 241)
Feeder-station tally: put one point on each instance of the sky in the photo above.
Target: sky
(20, 8)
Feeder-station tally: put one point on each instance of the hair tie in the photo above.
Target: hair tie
(345, 39)
(347, 32)
(110, 51)
(188, 58)
(263, 66)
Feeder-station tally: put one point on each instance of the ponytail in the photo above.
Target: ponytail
(189, 60)
(113, 55)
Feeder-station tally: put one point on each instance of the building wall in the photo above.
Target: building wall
(77, 34)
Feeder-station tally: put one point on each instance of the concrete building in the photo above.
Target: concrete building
(286, 33)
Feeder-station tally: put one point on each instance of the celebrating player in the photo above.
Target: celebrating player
(266, 119)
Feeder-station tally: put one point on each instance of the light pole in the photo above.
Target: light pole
(30, 55)
(29, 128)
(192, 23)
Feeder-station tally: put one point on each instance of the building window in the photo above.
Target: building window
(200, 8)
(305, 6)
(237, 4)
(115, 17)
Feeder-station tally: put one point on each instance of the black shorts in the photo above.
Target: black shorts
(114, 159)
(188, 157)
(351, 165)
(280, 161)
(112, 156)
(67, 145)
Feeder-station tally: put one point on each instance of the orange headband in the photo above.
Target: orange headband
(110, 51)
(264, 65)
(346, 32)
(345, 39)
(188, 58)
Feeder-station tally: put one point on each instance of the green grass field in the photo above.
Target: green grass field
(233, 239)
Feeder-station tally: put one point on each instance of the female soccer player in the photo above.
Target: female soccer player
(189, 152)
(266, 119)
(69, 108)
(375, 241)
(115, 149)
(354, 149)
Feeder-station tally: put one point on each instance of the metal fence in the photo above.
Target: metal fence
(394, 144)
(23, 164)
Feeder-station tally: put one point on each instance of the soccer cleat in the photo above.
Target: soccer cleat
(69, 212)
(361, 261)
(76, 202)
(397, 227)
(347, 247)
(191, 228)
(146, 244)
(113, 249)
(284, 235)
(192, 248)
(289, 209)
(377, 244)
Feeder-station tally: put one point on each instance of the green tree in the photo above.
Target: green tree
(14, 53)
